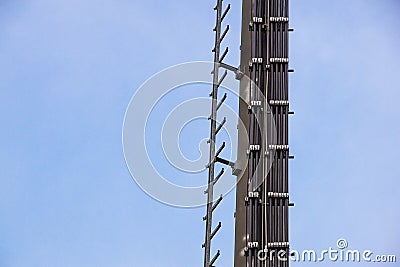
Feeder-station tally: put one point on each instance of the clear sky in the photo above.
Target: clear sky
(68, 70)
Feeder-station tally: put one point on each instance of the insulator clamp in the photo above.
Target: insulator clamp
(279, 60)
(251, 195)
(254, 147)
(251, 245)
(255, 104)
(278, 195)
(278, 245)
(279, 147)
(279, 19)
(254, 194)
(258, 20)
(255, 60)
(279, 102)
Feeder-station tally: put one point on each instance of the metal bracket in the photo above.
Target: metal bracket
(224, 161)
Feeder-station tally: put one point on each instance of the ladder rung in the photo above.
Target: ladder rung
(220, 126)
(222, 78)
(214, 206)
(217, 203)
(216, 230)
(224, 55)
(222, 101)
(215, 258)
(220, 149)
(224, 34)
(219, 175)
(225, 12)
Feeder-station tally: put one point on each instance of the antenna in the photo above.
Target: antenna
(262, 195)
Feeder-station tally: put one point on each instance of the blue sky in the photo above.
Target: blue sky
(68, 71)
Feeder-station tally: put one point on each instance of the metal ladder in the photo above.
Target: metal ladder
(214, 130)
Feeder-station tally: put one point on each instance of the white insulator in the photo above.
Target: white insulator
(279, 245)
(257, 20)
(279, 147)
(256, 103)
(254, 194)
(279, 102)
(252, 244)
(279, 19)
(279, 60)
(255, 147)
(278, 195)
(257, 60)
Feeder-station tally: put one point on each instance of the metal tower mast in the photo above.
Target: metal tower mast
(262, 194)
(262, 191)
